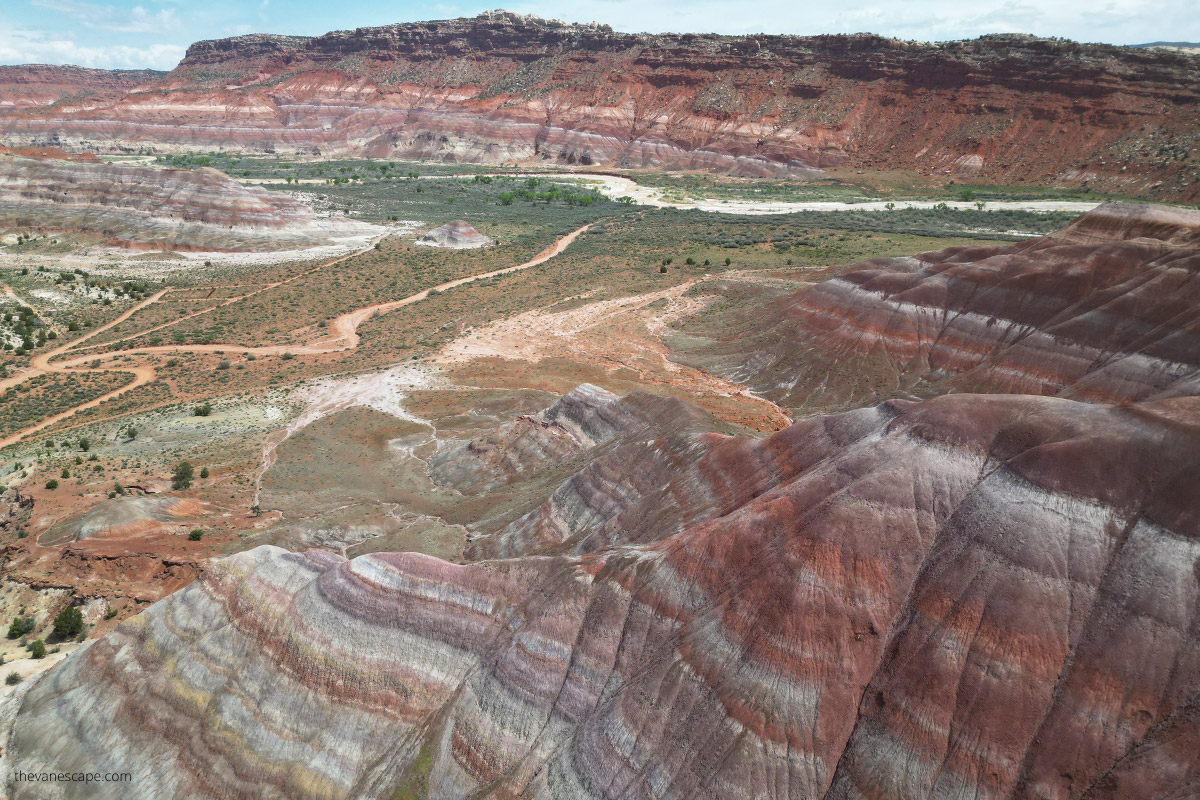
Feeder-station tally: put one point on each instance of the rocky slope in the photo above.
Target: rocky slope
(971, 596)
(1107, 309)
(37, 85)
(456, 235)
(508, 88)
(152, 208)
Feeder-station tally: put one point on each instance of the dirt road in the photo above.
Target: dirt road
(343, 336)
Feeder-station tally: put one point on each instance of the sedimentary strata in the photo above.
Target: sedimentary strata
(970, 596)
(504, 88)
(1105, 310)
(145, 207)
(456, 235)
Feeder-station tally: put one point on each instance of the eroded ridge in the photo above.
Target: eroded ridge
(1105, 310)
(1039, 557)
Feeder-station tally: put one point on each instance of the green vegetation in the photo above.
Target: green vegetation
(69, 623)
(12, 679)
(37, 649)
(21, 626)
(181, 478)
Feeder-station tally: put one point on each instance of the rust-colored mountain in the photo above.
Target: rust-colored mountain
(508, 88)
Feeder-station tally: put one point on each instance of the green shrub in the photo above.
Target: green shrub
(12, 679)
(21, 626)
(181, 478)
(52, 484)
(37, 648)
(196, 535)
(68, 623)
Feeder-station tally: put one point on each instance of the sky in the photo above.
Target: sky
(135, 34)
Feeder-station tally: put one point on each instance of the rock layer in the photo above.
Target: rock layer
(509, 88)
(456, 235)
(971, 596)
(145, 207)
(1107, 309)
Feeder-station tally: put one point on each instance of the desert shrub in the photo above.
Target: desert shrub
(68, 623)
(12, 679)
(181, 478)
(21, 626)
(52, 484)
(196, 535)
(37, 648)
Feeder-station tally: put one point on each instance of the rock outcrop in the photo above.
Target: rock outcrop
(456, 235)
(509, 88)
(973, 596)
(145, 207)
(36, 85)
(1105, 310)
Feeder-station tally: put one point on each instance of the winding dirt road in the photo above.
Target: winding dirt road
(343, 336)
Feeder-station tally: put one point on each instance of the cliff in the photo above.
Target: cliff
(509, 88)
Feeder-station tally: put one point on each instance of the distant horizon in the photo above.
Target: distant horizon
(155, 34)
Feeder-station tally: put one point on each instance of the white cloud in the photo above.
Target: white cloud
(109, 18)
(35, 47)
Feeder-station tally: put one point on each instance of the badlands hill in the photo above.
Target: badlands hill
(145, 207)
(1105, 310)
(938, 599)
(503, 87)
(975, 595)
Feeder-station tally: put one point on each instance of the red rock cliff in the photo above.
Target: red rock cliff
(503, 88)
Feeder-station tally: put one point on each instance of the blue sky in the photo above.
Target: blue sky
(155, 33)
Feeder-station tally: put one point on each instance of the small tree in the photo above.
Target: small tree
(68, 623)
(204, 472)
(196, 535)
(20, 626)
(181, 478)
(85, 445)
(66, 473)
(37, 648)
(52, 484)
(203, 410)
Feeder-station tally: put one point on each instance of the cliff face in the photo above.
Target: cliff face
(914, 600)
(507, 88)
(145, 207)
(1108, 309)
